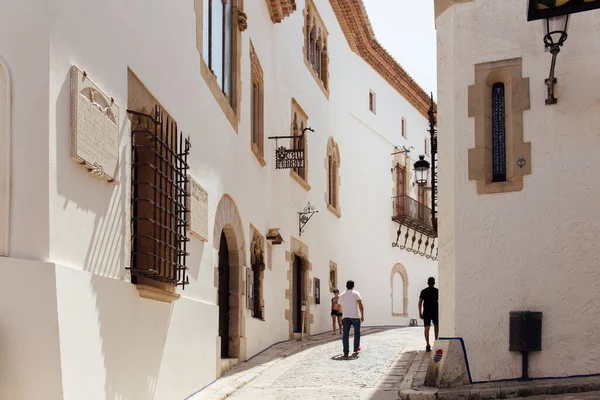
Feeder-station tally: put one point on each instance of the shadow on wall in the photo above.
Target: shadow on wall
(133, 333)
(106, 250)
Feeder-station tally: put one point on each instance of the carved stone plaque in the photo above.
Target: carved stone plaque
(198, 206)
(94, 127)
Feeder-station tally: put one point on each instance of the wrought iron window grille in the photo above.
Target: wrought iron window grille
(498, 134)
(159, 164)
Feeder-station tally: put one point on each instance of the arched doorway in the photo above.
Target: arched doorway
(228, 240)
(399, 291)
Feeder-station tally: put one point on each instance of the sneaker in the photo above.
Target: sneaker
(357, 350)
(428, 348)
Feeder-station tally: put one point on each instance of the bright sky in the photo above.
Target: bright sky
(406, 29)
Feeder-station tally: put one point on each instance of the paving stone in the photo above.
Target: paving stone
(315, 369)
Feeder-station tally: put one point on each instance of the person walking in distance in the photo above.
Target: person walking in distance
(336, 310)
(428, 309)
(351, 302)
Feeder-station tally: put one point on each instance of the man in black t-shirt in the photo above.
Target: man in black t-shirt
(428, 309)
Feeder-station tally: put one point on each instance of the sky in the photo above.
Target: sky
(406, 29)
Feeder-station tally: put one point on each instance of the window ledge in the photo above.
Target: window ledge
(334, 210)
(152, 293)
(258, 154)
(514, 184)
(300, 180)
(220, 97)
(316, 77)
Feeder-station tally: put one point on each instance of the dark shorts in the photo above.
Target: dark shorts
(427, 318)
(336, 313)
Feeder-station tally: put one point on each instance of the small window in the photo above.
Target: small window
(333, 278)
(333, 180)
(257, 107)
(498, 134)
(372, 102)
(404, 128)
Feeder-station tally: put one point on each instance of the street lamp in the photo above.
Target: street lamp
(421, 171)
(555, 36)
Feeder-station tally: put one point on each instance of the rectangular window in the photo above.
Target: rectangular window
(400, 190)
(372, 102)
(257, 107)
(218, 42)
(498, 134)
(404, 128)
(159, 191)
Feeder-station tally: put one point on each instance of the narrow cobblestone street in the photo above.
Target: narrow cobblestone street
(320, 372)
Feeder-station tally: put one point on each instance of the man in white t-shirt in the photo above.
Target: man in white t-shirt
(351, 302)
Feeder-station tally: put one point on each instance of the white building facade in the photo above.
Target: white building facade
(96, 103)
(520, 236)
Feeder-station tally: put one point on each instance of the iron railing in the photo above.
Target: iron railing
(409, 212)
(159, 190)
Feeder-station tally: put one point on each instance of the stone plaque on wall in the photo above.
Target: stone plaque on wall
(94, 127)
(198, 210)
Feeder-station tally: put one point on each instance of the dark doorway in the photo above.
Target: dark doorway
(298, 288)
(224, 273)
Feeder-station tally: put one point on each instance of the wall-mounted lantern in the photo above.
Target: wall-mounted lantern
(421, 171)
(555, 36)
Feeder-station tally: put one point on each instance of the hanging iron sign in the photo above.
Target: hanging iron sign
(289, 158)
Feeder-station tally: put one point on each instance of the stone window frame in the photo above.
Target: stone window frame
(299, 121)
(517, 100)
(333, 276)
(332, 159)
(257, 111)
(231, 109)
(140, 98)
(257, 245)
(399, 269)
(372, 102)
(314, 24)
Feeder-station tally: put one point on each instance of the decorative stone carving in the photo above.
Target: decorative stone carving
(198, 210)
(257, 254)
(242, 20)
(279, 9)
(94, 127)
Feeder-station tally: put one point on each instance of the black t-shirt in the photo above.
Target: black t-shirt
(430, 300)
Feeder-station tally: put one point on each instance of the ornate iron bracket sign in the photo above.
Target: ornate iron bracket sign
(305, 216)
(289, 158)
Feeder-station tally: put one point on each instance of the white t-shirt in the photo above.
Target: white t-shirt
(349, 301)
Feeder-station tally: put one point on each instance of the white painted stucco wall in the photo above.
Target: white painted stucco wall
(108, 342)
(536, 249)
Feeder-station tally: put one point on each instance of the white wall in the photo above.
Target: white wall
(536, 249)
(115, 344)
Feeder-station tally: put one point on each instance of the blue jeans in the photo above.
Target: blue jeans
(346, 323)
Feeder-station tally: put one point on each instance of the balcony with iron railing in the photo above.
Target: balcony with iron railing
(412, 214)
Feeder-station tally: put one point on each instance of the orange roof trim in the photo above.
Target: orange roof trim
(279, 9)
(354, 21)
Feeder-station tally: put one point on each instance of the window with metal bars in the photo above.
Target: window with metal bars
(158, 199)
(217, 37)
(498, 134)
